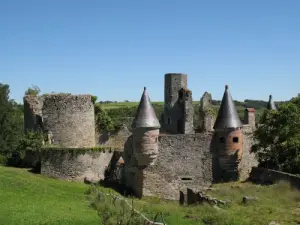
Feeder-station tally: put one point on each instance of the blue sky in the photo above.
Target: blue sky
(113, 49)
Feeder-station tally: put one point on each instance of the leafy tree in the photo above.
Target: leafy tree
(103, 121)
(34, 91)
(11, 123)
(278, 137)
(94, 99)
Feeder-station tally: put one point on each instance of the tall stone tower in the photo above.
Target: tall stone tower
(145, 129)
(206, 113)
(271, 105)
(178, 109)
(229, 138)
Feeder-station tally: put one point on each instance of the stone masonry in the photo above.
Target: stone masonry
(178, 116)
(68, 118)
(75, 165)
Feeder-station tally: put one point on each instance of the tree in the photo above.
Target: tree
(278, 137)
(94, 99)
(11, 123)
(103, 121)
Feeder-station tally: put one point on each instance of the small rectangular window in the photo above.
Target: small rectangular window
(222, 140)
(235, 139)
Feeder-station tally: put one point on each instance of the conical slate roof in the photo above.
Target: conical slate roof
(145, 116)
(227, 116)
(271, 105)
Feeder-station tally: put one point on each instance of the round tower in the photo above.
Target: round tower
(145, 128)
(69, 119)
(228, 138)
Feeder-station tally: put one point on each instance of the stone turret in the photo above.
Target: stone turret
(271, 105)
(145, 129)
(229, 138)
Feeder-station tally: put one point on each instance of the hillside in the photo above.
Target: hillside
(32, 199)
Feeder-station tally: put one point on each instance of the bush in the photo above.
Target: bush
(34, 91)
(278, 138)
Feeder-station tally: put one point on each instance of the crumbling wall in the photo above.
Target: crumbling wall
(206, 113)
(188, 112)
(173, 108)
(33, 112)
(249, 159)
(183, 160)
(70, 119)
(75, 164)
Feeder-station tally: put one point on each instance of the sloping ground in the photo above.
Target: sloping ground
(29, 199)
(266, 204)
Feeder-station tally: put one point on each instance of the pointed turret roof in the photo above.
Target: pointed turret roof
(145, 116)
(271, 105)
(227, 116)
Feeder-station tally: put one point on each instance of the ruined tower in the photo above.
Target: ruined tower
(145, 129)
(229, 138)
(271, 105)
(206, 113)
(249, 117)
(178, 109)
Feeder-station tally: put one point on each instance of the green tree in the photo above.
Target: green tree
(94, 99)
(11, 123)
(278, 137)
(103, 121)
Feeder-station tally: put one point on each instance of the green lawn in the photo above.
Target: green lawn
(27, 198)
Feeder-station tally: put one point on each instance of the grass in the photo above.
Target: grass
(27, 198)
(277, 203)
(30, 199)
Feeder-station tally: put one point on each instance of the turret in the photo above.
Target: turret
(145, 128)
(229, 138)
(271, 105)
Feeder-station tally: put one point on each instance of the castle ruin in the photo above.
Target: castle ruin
(159, 159)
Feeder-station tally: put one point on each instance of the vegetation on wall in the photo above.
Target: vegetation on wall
(278, 137)
(103, 120)
(34, 90)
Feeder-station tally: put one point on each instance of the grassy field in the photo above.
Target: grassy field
(274, 203)
(27, 198)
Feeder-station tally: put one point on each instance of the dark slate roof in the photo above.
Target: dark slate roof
(271, 105)
(145, 116)
(227, 116)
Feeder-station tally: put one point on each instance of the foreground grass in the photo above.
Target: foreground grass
(277, 203)
(30, 199)
(27, 198)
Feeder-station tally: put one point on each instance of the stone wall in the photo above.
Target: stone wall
(183, 160)
(188, 116)
(75, 164)
(249, 159)
(33, 106)
(267, 176)
(173, 109)
(70, 119)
